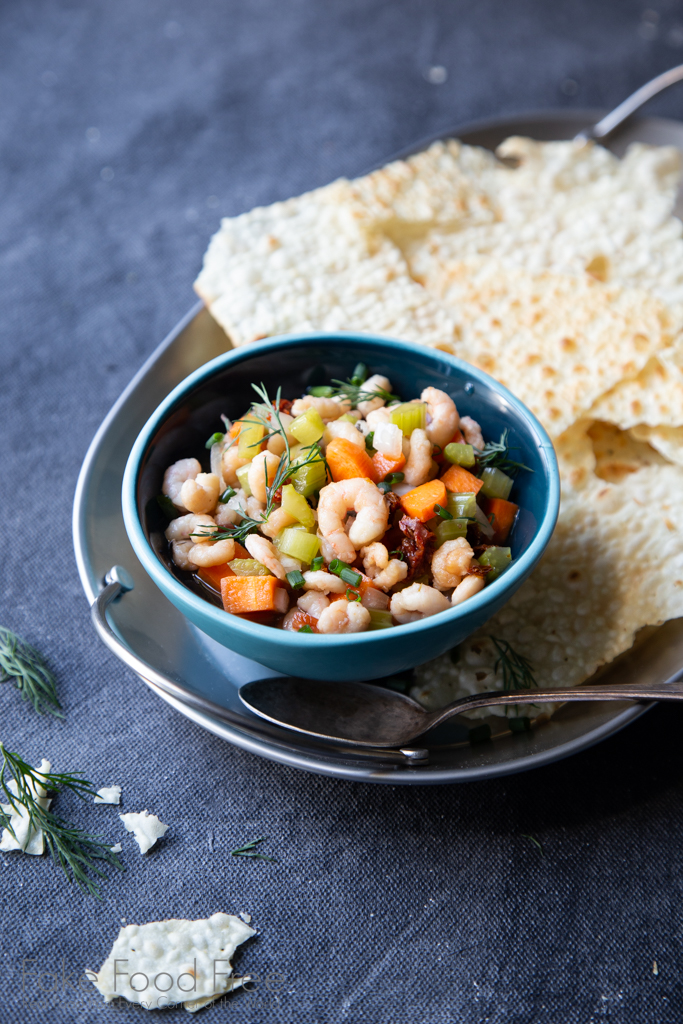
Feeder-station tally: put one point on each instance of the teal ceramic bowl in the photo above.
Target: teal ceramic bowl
(191, 413)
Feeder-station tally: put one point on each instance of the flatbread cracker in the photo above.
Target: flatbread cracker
(668, 441)
(653, 397)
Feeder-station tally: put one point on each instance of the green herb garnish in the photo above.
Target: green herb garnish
(71, 848)
(216, 438)
(317, 563)
(443, 512)
(295, 579)
(167, 506)
(249, 849)
(352, 595)
(24, 666)
(305, 629)
(227, 494)
(345, 572)
(353, 389)
(369, 438)
(516, 669)
(535, 841)
(496, 455)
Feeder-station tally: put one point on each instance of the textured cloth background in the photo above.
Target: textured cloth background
(127, 130)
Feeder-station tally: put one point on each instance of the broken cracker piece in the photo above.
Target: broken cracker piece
(108, 795)
(27, 839)
(145, 827)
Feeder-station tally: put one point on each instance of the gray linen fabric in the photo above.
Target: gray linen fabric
(126, 130)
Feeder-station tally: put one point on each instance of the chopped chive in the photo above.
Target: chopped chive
(519, 724)
(322, 391)
(214, 439)
(345, 572)
(167, 506)
(317, 563)
(384, 486)
(395, 478)
(480, 734)
(369, 438)
(295, 579)
(359, 375)
(227, 494)
(305, 629)
(443, 512)
(354, 595)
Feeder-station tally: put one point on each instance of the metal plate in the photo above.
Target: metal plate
(151, 629)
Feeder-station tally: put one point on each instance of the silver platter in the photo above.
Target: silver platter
(148, 634)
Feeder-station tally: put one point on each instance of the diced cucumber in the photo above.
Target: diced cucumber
(409, 416)
(242, 475)
(248, 567)
(307, 428)
(498, 558)
(310, 478)
(450, 529)
(297, 506)
(380, 620)
(251, 435)
(495, 483)
(459, 454)
(462, 506)
(299, 544)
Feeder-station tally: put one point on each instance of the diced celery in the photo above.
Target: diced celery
(347, 418)
(242, 475)
(251, 435)
(449, 529)
(495, 483)
(409, 416)
(498, 558)
(380, 620)
(307, 428)
(459, 454)
(297, 506)
(310, 478)
(248, 567)
(462, 506)
(299, 544)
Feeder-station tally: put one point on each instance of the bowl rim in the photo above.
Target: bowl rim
(166, 581)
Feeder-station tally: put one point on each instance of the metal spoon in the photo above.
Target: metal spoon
(630, 105)
(364, 715)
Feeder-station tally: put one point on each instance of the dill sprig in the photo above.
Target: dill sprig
(249, 850)
(25, 667)
(265, 412)
(516, 670)
(532, 839)
(73, 849)
(353, 389)
(495, 454)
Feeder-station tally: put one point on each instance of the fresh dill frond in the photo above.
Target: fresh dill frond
(73, 849)
(495, 454)
(532, 839)
(516, 670)
(24, 666)
(249, 850)
(353, 388)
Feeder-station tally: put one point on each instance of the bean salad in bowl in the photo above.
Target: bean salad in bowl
(344, 510)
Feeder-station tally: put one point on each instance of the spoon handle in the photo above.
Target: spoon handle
(600, 691)
(631, 104)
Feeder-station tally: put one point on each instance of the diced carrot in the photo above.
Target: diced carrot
(213, 575)
(501, 514)
(456, 439)
(347, 461)
(301, 618)
(384, 465)
(459, 481)
(419, 503)
(235, 429)
(241, 552)
(249, 593)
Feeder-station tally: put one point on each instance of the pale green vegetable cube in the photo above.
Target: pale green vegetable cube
(297, 506)
(242, 476)
(496, 483)
(299, 544)
(251, 435)
(409, 416)
(307, 428)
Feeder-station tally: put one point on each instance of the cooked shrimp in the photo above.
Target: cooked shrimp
(472, 432)
(217, 463)
(324, 582)
(265, 463)
(329, 408)
(201, 494)
(346, 430)
(372, 515)
(314, 603)
(444, 416)
(375, 558)
(265, 553)
(175, 476)
(183, 527)
(419, 465)
(226, 515)
(417, 599)
(468, 587)
(218, 553)
(344, 617)
(372, 384)
(395, 572)
(230, 463)
(180, 550)
(276, 521)
(255, 508)
(450, 563)
(373, 419)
